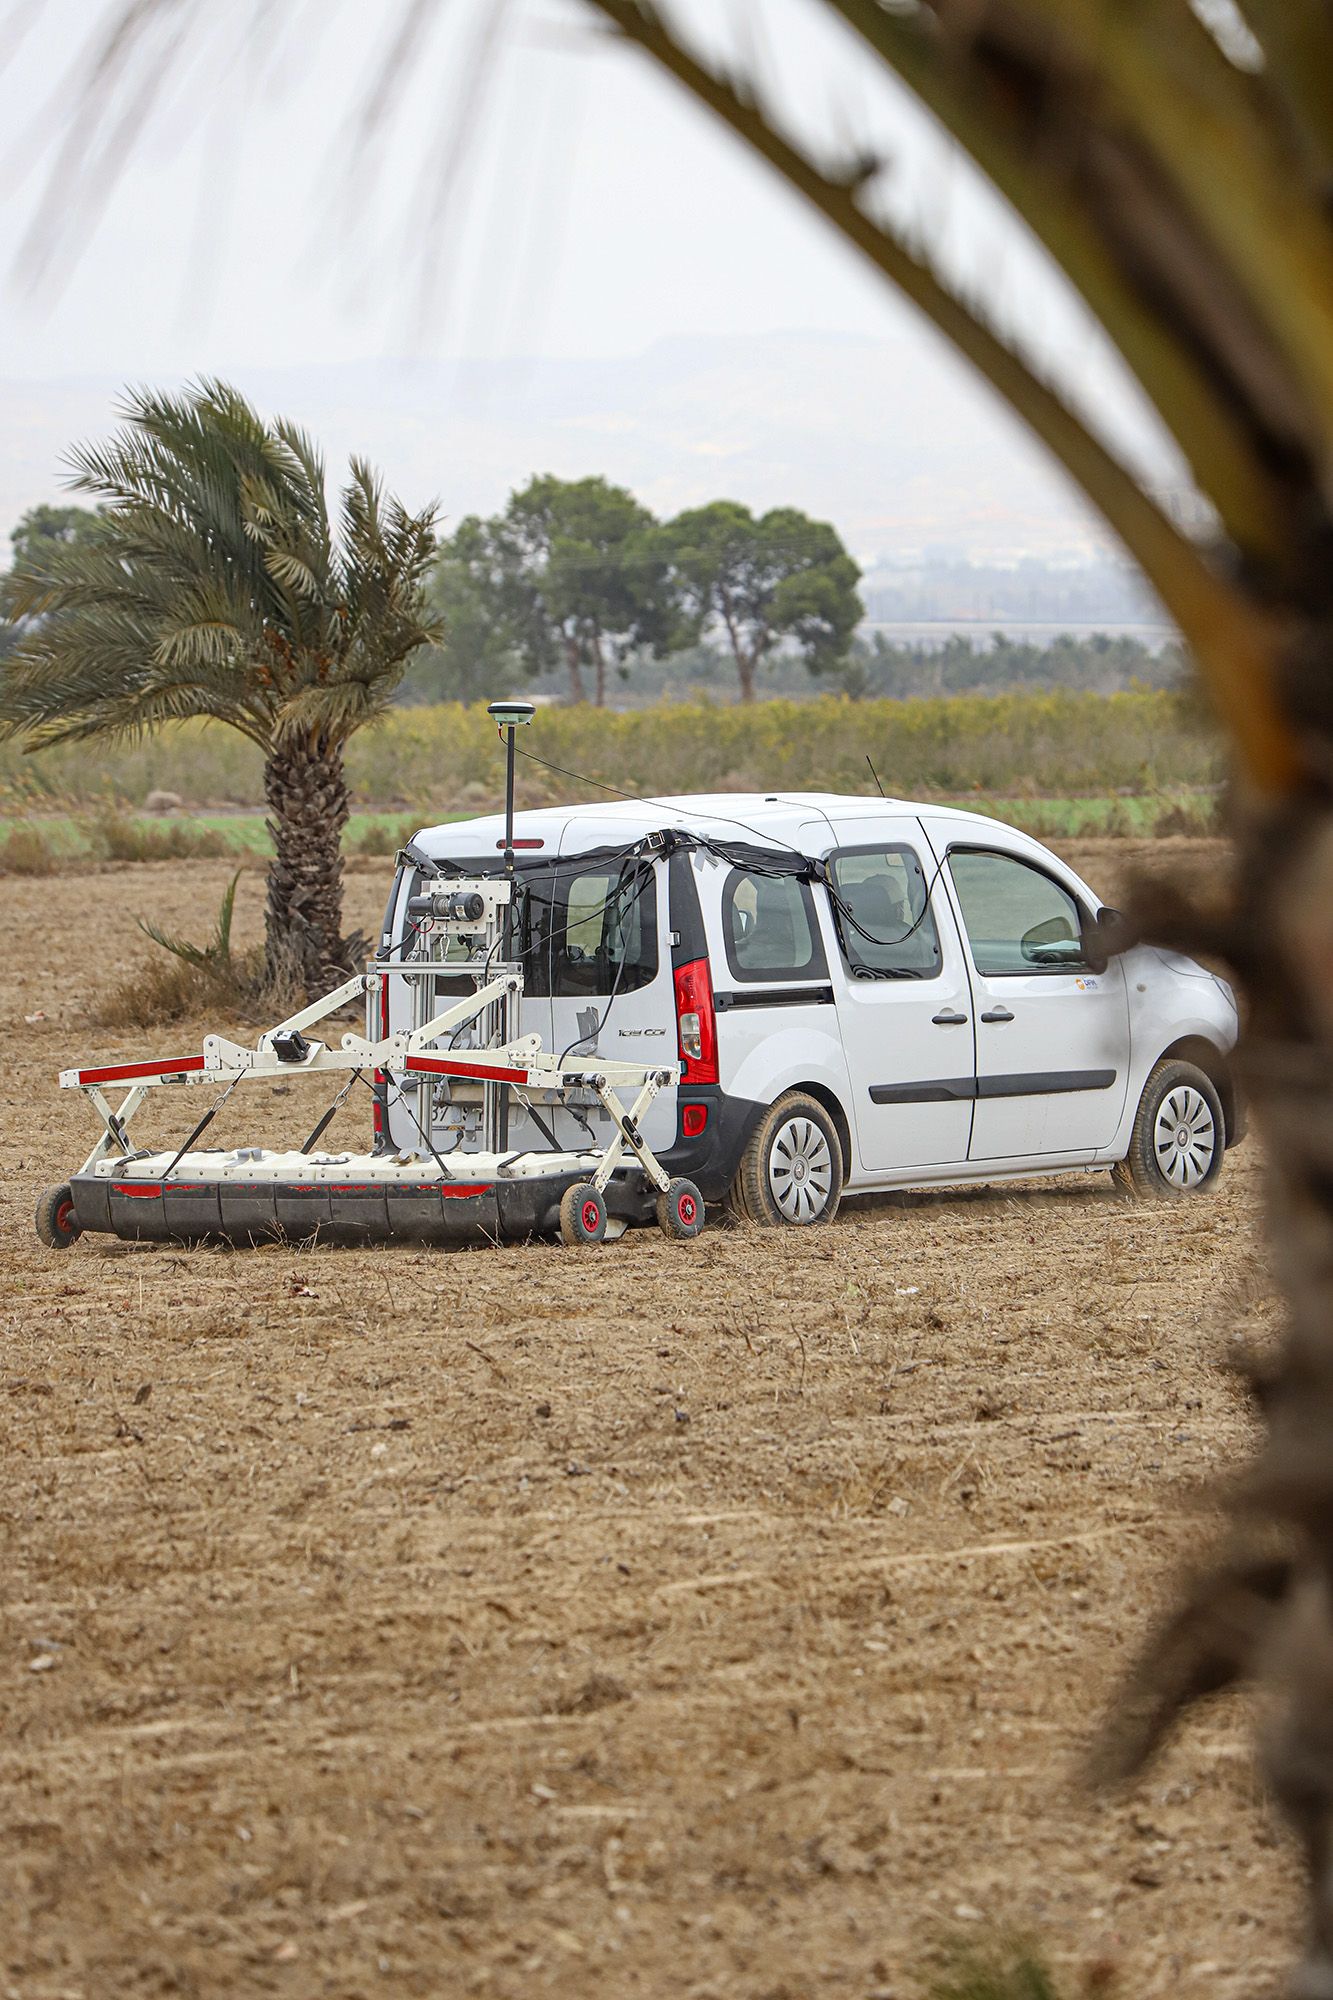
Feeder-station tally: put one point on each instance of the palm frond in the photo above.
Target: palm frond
(219, 588)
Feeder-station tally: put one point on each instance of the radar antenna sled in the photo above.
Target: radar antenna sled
(253, 1194)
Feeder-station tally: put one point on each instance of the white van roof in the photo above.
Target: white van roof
(809, 822)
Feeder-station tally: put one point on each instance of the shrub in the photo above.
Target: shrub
(25, 850)
(203, 978)
(997, 1969)
(117, 837)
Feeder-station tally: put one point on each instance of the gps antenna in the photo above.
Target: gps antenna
(873, 772)
(508, 716)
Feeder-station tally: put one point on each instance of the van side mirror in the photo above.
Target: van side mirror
(1107, 933)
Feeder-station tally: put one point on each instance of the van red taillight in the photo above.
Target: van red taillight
(696, 1023)
(693, 1120)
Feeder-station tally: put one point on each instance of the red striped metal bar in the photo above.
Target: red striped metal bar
(127, 1072)
(446, 1066)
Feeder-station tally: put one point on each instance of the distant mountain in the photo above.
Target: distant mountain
(890, 439)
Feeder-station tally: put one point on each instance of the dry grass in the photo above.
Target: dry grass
(998, 1968)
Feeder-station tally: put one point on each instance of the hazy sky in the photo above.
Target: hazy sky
(531, 189)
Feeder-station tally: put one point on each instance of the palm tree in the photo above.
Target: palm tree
(218, 587)
(1175, 158)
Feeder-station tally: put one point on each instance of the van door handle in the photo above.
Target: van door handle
(998, 1014)
(950, 1018)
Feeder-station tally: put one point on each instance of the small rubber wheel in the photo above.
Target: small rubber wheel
(56, 1222)
(1179, 1135)
(582, 1214)
(792, 1170)
(680, 1210)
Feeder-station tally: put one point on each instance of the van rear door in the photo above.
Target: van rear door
(904, 1002)
(609, 975)
(406, 1105)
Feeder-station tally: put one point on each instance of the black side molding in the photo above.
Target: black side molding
(940, 1090)
(1030, 1083)
(775, 996)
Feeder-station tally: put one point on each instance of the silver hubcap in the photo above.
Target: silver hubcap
(800, 1170)
(1184, 1136)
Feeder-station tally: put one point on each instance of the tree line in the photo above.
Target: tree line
(577, 575)
(574, 586)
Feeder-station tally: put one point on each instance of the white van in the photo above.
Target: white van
(864, 994)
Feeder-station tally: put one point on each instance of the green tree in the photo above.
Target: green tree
(42, 527)
(479, 652)
(218, 587)
(763, 580)
(570, 572)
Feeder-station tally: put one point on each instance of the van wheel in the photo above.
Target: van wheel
(56, 1224)
(791, 1171)
(1179, 1135)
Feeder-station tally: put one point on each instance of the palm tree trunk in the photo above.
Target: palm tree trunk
(1259, 1605)
(306, 789)
(599, 662)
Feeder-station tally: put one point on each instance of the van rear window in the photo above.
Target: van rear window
(769, 928)
(583, 933)
(884, 924)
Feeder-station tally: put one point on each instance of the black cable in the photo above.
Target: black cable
(841, 907)
(637, 798)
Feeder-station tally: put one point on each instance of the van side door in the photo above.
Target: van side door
(903, 999)
(1052, 1035)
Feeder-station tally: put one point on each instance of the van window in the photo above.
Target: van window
(603, 931)
(575, 929)
(1018, 919)
(887, 930)
(769, 927)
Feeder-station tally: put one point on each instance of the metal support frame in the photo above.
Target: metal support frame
(519, 1062)
(629, 1134)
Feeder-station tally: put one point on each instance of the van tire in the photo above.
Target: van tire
(795, 1133)
(1175, 1094)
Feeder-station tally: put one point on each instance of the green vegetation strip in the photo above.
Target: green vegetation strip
(43, 844)
(1042, 746)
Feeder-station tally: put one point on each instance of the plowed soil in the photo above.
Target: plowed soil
(715, 1620)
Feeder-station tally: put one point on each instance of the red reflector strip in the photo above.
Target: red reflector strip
(137, 1189)
(520, 843)
(125, 1072)
(443, 1066)
(482, 1187)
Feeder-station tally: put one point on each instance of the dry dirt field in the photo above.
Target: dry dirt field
(717, 1620)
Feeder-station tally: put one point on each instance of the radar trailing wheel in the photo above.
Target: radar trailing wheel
(56, 1222)
(582, 1214)
(680, 1210)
